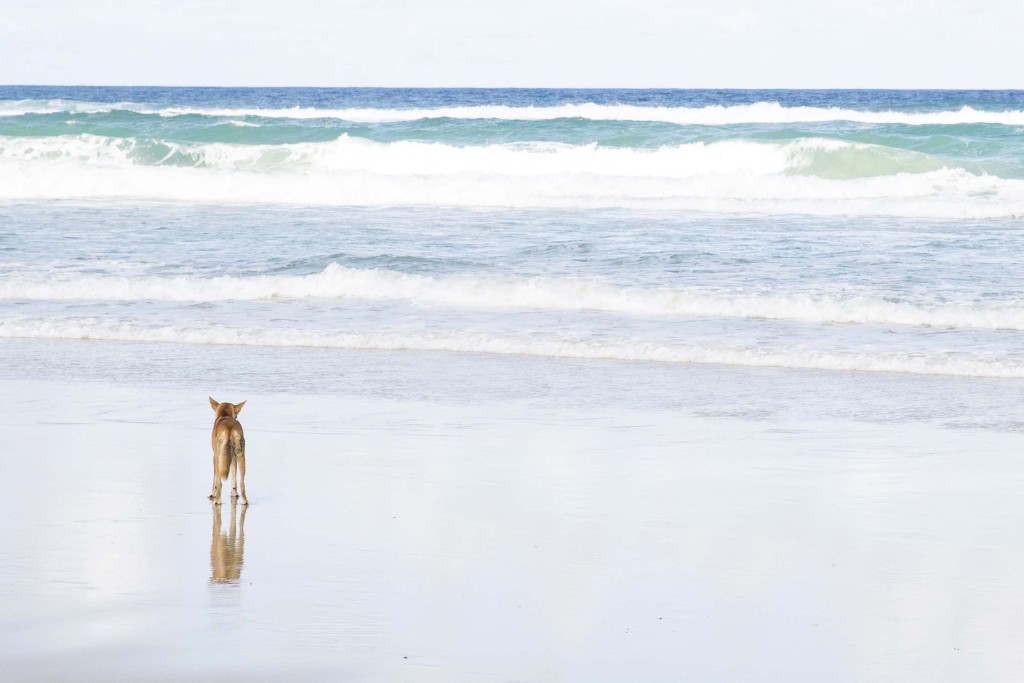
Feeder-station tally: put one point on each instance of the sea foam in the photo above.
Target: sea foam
(552, 294)
(898, 362)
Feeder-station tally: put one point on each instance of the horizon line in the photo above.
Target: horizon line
(502, 87)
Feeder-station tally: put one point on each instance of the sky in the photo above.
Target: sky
(521, 43)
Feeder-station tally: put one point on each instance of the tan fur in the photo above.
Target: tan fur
(227, 550)
(228, 450)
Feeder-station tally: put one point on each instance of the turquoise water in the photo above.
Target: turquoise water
(928, 154)
(826, 231)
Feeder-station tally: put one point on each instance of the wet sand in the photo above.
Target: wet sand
(399, 540)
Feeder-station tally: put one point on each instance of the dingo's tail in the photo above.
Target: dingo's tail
(236, 447)
(225, 454)
(230, 447)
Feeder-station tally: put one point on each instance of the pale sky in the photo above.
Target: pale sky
(523, 43)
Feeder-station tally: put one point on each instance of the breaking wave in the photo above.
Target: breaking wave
(811, 175)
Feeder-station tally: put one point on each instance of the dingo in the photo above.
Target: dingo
(228, 450)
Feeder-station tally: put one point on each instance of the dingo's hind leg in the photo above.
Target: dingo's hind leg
(221, 465)
(234, 479)
(238, 443)
(241, 478)
(215, 491)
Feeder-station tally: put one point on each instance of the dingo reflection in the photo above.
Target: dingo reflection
(227, 550)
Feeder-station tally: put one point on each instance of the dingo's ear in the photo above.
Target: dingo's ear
(213, 403)
(238, 407)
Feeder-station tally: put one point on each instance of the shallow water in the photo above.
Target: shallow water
(933, 297)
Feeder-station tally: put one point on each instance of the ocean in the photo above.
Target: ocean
(850, 231)
(569, 385)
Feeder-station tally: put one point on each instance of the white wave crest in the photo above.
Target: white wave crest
(711, 115)
(420, 158)
(924, 364)
(337, 281)
(722, 177)
(714, 115)
(22, 107)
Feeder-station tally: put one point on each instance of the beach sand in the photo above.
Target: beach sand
(406, 539)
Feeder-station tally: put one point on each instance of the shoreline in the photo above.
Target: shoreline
(699, 390)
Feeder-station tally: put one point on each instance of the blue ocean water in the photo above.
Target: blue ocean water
(835, 231)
